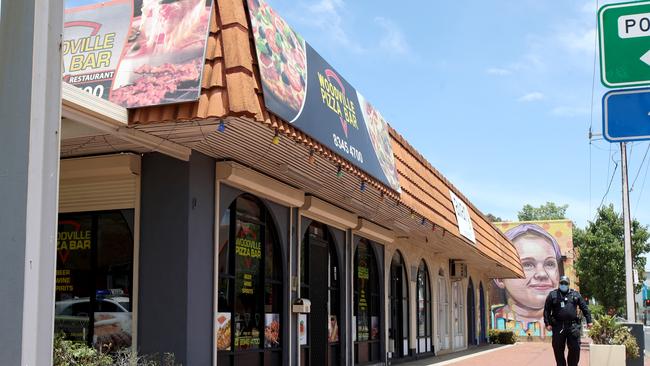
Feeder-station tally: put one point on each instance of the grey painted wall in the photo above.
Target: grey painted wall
(176, 258)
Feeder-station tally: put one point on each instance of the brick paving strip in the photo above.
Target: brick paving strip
(530, 354)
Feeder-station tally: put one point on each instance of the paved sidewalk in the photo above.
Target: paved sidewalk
(530, 354)
(526, 353)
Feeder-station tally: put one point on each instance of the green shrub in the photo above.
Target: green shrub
(596, 310)
(607, 331)
(70, 353)
(497, 336)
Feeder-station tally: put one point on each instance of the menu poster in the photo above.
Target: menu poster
(363, 328)
(333, 329)
(247, 334)
(223, 331)
(374, 326)
(271, 330)
(302, 329)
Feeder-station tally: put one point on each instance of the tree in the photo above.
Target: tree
(600, 262)
(547, 211)
(493, 218)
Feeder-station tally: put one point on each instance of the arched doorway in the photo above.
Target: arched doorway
(398, 308)
(442, 334)
(367, 319)
(423, 311)
(483, 324)
(320, 276)
(250, 294)
(471, 314)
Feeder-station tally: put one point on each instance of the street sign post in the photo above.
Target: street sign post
(624, 38)
(626, 115)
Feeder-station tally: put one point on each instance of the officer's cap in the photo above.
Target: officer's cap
(565, 280)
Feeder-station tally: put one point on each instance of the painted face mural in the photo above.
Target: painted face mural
(518, 304)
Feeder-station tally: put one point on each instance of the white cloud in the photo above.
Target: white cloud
(564, 111)
(393, 40)
(581, 41)
(328, 16)
(531, 97)
(498, 71)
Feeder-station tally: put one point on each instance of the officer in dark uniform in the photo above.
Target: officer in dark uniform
(561, 316)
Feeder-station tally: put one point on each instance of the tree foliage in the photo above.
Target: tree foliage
(600, 263)
(493, 218)
(547, 211)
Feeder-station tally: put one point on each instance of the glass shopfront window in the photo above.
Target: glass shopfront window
(94, 278)
(366, 305)
(250, 286)
(424, 339)
(319, 332)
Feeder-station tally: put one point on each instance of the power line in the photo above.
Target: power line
(609, 186)
(636, 207)
(640, 166)
(591, 114)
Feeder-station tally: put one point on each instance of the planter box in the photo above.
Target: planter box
(606, 355)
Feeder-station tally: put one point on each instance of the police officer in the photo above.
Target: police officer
(561, 316)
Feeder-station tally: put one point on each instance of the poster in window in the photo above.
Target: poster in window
(302, 329)
(248, 315)
(112, 328)
(363, 327)
(354, 329)
(271, 330)
(333, 329)
(223, 331)
(374, 332)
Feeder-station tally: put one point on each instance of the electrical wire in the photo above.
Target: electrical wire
(640, 167)
(638, 199)
(609, 186)
(591, 113)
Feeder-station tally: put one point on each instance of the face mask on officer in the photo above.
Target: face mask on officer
(564, 283)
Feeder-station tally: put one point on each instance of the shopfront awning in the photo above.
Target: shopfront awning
(92, 125)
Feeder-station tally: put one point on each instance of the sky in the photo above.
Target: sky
(498, 95)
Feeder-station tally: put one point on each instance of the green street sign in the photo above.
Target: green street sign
(624, 38)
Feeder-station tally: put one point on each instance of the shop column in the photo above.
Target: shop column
(30, 109)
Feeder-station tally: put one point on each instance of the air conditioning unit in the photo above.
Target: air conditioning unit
(457, 270)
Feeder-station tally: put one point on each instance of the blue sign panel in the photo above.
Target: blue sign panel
(626, 115)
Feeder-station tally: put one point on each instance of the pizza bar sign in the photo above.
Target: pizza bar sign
(303, 89)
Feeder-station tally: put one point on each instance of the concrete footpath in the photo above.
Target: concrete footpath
(531, 354)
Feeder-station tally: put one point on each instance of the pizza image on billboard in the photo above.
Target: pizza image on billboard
(137, 53)
(282, 59)
(378, 131)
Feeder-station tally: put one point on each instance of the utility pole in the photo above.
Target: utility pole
(30, 118)
(629, 281)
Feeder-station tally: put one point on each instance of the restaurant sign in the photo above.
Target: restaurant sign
(302, 88)
(137, 53)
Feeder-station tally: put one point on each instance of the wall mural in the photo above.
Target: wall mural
(546, 252)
